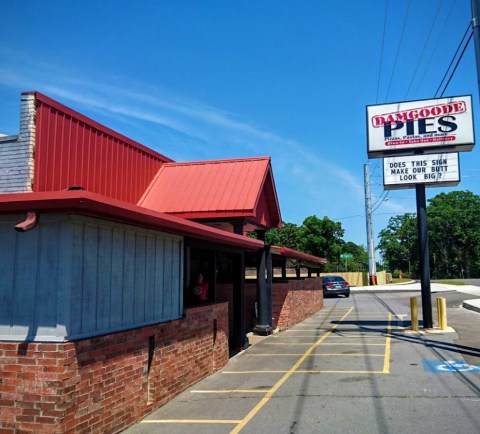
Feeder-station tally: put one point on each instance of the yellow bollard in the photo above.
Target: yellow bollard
(439, 313)
(414, 313)
(442, 312)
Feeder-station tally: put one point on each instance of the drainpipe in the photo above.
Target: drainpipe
(29, 223)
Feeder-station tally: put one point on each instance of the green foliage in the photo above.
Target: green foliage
(359, 260)
(454, 234)
(286, 236)
(398, 244)
(454, 238)
(322, 238)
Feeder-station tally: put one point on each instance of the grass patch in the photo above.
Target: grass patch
(398, 280)
(450, 282)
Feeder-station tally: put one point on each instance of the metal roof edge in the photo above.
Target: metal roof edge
(292, 253)
(219, 161)
(268, 172)
(89, 121)
(85, 202)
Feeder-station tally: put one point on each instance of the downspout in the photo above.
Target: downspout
(29, 223)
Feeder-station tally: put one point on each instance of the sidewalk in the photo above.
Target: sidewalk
(472, 304)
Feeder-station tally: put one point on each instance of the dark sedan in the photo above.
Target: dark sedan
(335, 285)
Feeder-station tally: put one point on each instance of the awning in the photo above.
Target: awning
(295, 258)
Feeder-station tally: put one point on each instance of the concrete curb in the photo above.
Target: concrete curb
(472, 305)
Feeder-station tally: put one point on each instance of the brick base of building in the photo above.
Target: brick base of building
(295, 300)
(106, 383)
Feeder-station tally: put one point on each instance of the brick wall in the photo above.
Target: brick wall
(295, 300)
(16, 152)
(292, 301)
(106, 383)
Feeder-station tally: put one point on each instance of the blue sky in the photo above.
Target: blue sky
(223, 79)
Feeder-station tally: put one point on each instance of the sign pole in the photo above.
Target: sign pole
(424, 256)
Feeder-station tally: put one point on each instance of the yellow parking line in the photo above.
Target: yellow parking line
(307, 330)
(363, 344)
(289, 343)
(348, 335)
(207, 421)
(317, 355)
(296, 337)
(306, 372)
(386, 360)
(280, 382)
(231, 391)
(254, 372)
(340, 372)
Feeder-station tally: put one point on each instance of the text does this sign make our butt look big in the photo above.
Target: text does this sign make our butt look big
(424, 126)
(433, 170)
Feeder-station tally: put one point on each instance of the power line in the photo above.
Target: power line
(381, 55)
(398, 49)
(383, 200)
(453, 59)
(424, 49)
(427, 68)
(458, 62)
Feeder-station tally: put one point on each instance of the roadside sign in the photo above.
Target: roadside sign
(433, 170)
(346, 256)
(424, 126)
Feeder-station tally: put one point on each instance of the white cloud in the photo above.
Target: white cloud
(216, 132)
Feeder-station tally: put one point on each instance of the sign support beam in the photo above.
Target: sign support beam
(424, 256)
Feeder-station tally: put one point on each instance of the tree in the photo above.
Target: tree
(454, 237)
(398, 244)
(286, 236)
(454, 234)
(359, 260)
(321, 237)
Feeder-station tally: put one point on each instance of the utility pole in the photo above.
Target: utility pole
(372, 266)
(475, 4)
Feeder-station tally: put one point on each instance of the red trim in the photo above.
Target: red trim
(295, 254)
(93, 204)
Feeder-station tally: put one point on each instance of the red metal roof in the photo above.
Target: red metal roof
(84, 202)
(74, 150)
(216, 189)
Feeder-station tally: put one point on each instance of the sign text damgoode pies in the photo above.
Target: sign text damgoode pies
(420, 127)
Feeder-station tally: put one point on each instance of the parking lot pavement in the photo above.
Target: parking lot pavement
(468, 303)
(351, 367)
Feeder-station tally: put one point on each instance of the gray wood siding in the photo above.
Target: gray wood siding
(73, 276)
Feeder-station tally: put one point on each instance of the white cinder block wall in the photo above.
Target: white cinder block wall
(17, 152)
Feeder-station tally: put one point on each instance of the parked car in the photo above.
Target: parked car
(335, 285)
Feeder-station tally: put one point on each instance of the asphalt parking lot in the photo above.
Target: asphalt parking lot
(352, 367)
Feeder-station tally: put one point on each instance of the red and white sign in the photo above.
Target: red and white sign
(425, 126)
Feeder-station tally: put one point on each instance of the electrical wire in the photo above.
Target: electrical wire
(453, 59)
(458, 62)
(380, 203)
(424, 48)
(381, 55)
(398, 49)
(427, 68)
